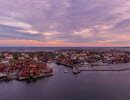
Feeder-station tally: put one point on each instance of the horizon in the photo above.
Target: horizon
(61, 47)
(69, 23)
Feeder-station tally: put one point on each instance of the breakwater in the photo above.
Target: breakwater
(124, 69)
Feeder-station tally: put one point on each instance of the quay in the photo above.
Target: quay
(39, 76)
(124, 69)
(64, 64)
(76, 70)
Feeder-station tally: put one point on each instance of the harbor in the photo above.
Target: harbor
(45, 74)
(34, 65)
(84, 83)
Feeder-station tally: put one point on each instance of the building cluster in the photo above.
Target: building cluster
(23, 66)
(92, 56)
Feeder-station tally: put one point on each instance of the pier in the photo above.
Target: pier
(76, 70)
(124, 69)
(64, 64)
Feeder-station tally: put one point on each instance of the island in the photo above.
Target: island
(32, 65)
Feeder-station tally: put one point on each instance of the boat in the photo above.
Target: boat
(103, 64)
(99, 64)
(23, 77)
(85, 63)
(3, 76)
(76, 70)
(65, 71)
(42, 75)
(49, 61)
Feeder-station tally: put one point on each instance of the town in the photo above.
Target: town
(32, 65)
(93, 57)
(23, 66)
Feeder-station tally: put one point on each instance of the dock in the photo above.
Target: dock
(42, 75)
(124, 69)
(64, 64)
(76, 70)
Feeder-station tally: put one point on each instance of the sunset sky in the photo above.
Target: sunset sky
(57, 23)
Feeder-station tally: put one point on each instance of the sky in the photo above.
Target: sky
(70, 23)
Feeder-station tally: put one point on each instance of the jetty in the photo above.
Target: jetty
(76, 70)
(124, 69)
(61, 63)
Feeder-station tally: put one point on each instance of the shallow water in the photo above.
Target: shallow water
(68, 86)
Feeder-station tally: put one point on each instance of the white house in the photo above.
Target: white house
(5, 54)
(81, 58)
(73, 57)
(21, 58)
(22, 54)
(9, 57)
(5, 61)
(57, 57)
(35, 58)
(83, 54)
(26, 55)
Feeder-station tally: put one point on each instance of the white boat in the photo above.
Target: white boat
(76, 70)
(65, 71)
(99, 64)
(49, 61)
(102, 64)
(85, 63)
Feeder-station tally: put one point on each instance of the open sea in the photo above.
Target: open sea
(100, 85)
(48, 49)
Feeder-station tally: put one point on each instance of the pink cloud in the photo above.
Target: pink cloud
(57, 44)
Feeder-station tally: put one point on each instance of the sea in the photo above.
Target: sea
(87, 85)
(48, 49)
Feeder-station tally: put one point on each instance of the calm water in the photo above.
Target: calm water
(68, 86)
(34, 49)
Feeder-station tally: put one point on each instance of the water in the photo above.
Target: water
(68, 86)
(35, 49)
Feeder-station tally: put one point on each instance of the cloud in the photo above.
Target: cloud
(29, 31)
(85, 33)
(8, 21)
(50, 34)
(73, 21)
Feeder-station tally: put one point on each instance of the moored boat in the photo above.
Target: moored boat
(65, 71)
(49, 61)
(23, 77)
(99, 64)
(76, 70)
(3, 76)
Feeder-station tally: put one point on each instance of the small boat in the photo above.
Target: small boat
(3, 76)
(85, 63)
(65, 71)
(49, 61)
(99, 64)
(76, 70)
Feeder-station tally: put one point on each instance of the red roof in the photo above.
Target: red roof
(5, 60)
